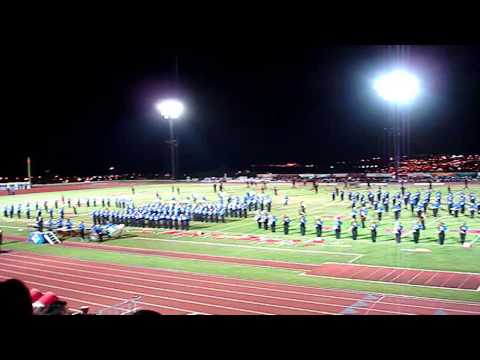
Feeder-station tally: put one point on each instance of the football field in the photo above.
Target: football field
(237, 251)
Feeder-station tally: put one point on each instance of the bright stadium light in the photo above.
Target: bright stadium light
(170, 109)
(398, 86)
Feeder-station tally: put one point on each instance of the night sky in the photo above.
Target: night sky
(79, 110)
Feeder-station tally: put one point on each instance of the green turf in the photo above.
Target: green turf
(385, 252)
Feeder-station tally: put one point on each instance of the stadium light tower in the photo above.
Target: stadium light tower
(399, 88)
(171, 110)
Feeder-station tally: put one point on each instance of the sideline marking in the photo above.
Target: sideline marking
(355, 259)
(251, 247)
(474, 241)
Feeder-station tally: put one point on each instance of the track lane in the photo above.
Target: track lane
(306, 301)
(214, 285)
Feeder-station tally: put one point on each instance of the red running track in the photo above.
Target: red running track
(442, 279)
(61, 187)
(171, 292)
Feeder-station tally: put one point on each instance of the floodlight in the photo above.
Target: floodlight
(170, 109)
(398, 86)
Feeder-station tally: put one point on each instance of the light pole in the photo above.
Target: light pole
(399, 88)
(171, 110)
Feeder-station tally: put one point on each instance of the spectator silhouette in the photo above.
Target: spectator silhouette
(146, 313)
(57, 308)
(15, 299)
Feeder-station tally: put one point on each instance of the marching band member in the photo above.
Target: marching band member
(373, 231)
(319, 227)
(463, 233)
(442, 229)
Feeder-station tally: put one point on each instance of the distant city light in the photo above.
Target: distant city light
(398, 86)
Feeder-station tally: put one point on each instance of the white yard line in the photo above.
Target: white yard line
(476, 239)
(253, 247)
(355, 259)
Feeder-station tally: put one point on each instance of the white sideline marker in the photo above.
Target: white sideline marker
(474, 241)
(356, 258)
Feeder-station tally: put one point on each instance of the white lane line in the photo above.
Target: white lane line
(72, 299)
(49, 286)
(137, 293)
(200, 277)
(375, 303)
(178, 291)
(244, 286)
(184, 285)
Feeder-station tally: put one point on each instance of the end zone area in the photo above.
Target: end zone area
(416, 277)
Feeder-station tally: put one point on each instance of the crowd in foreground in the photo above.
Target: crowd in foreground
(17, 301)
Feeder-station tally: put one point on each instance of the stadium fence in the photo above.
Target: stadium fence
(126, 307)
